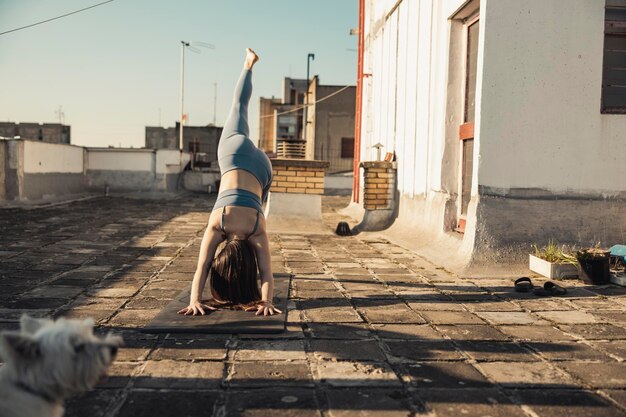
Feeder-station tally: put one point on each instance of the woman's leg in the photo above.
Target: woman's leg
(237, 121)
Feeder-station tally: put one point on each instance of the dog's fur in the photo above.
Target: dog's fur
(48, 361)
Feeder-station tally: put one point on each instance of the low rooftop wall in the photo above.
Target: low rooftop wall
(32, 170)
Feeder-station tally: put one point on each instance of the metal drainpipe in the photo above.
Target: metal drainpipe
(359, 104)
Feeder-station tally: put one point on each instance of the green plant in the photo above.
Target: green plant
(554, 253)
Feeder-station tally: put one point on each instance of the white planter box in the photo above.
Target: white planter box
(552, 270)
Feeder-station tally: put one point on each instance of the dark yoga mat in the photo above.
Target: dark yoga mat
(222, 321)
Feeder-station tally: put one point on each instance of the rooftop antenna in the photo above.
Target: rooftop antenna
(214, 103)
(193, 47)
(60, 114)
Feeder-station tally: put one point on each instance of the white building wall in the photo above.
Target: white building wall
(540, 138)
(541, 122)
(113, 159)
(41, 158)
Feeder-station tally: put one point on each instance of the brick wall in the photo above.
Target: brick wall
(380, 184)
(298, 176)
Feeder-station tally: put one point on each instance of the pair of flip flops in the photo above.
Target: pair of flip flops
(524, 284)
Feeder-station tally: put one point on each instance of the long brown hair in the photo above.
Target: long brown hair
(233, 275)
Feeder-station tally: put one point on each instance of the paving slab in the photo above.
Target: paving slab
(468, 402)
(471, 332)
(359, 350)
(413, 351)
(348, 331)
(332, 315)
(596, 331)
(249, 350)
(510, 317)
(443, 375)
(287, 402)
(168, 403)
(451, 317)
(598, 375)
(189, 349)
(566, 350)
(273, 373)
(93, 403)
(535, 333)
(616, 348)
(354, 374)
(170, 374)
(367, 403)
(406, 331)
(567, 317)
(526, 374)
(558, 403)
(492, 306)
(434, 305)
(487, 350)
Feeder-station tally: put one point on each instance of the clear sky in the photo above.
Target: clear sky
(114, 66)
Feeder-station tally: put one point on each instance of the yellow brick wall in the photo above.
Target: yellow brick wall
(295, 179)
(379, 186)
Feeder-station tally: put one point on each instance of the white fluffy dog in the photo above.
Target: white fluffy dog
(48, 361)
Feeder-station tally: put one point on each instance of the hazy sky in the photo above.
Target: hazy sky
(114, 66)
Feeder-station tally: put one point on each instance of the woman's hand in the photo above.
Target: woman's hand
(265, 308)
(196, 308)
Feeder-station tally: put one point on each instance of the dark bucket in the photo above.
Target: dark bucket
(595, 270)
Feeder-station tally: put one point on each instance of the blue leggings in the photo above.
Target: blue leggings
(235, 149)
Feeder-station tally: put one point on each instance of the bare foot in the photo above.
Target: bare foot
(251, 58)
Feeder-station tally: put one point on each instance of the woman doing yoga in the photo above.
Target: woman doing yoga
(237, 217)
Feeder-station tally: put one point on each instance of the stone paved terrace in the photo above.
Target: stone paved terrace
(373, 330)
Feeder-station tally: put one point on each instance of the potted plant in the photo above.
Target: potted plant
(594, 265)
(553, 261)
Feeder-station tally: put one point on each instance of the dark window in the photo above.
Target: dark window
(347, 147)
(194, 146)
(614, 66)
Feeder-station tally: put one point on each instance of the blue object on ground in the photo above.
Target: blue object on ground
(618, 251)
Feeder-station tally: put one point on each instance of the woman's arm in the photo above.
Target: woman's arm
(212, 237)
(261, 245)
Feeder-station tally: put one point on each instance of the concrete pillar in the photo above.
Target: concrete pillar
(379, 184)
(295, 198)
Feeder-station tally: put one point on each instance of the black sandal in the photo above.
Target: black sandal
(550, 288)
(523, 284)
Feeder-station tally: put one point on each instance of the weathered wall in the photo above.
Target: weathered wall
(203, 139)
(50, 169)
(14, 169)
(406, 62)
(544, 155)
(34, 170)
(541, 123)
(329, 121)
(550, 165)
(134, 169)
(45, 132)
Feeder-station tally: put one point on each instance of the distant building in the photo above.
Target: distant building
(330, 127)
(279, 118)
(46, 132)
(199, 140)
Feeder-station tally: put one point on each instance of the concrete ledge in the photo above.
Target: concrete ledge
(200, 181)
(119, 180)
(45, 185)
(301, 206)
(300, 163)
(291, 213)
